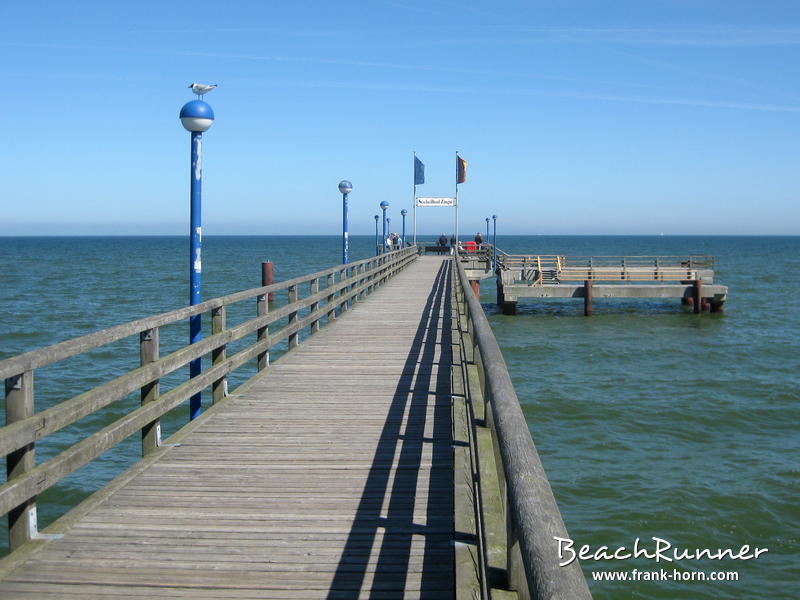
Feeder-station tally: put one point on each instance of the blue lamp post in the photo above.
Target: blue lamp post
(196, 116)
(494, 243)
(384, 207)
(487, 229)
(345, 187)
(404, 212)
(377, 244)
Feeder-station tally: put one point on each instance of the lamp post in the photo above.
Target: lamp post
(494, 243)
(196, 117)
(384, 206)
(345, 187)
(377, 251)
(487, 229)
(404, 212)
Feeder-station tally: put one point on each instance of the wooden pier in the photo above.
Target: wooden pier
(688, 278)
(385, 455)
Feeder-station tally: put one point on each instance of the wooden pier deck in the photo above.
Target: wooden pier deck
(330, 475)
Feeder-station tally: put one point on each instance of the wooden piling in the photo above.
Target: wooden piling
(697, 303)
(587, 297)
(500, 295)
(267, 276)
(476, 287)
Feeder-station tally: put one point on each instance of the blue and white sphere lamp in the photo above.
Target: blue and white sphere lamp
(384, 206)
(345, 187)
(196, 117)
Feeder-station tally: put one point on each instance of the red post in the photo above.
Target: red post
(267, 277)
(476, 287)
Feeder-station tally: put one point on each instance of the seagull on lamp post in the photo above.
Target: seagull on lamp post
(201, 88)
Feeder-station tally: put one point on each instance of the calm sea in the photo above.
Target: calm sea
(651, 422)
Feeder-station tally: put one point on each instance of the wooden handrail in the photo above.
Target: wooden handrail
(25, 428)
(532, 514)
(42, 357)
(686, 262)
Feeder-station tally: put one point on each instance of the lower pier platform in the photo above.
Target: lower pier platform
(690, 278)
(712, 297)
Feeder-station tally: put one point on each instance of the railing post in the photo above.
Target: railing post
(219, 389)
(149, 352)
(292, 316)
(354, 285)
(331, 280)
(19, 405)
(368, 278)
(343, 276)
(262, 307)
(314, 289)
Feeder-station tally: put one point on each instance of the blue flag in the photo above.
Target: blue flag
(419, 172)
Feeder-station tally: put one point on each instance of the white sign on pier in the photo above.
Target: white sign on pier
(436, 201)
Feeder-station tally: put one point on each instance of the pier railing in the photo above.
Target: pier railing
(343, 285)
(550, 267)
(520, 541)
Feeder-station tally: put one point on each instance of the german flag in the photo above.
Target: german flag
(461, 169)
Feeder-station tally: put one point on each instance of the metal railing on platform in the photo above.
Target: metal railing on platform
(24, 427)
(531, 518)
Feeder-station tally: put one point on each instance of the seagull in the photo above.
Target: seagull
(201, 88)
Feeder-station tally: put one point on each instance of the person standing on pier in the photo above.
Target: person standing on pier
(443, 240)
(478, 238)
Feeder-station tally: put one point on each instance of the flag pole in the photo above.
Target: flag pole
(414, 176)
(456, 232)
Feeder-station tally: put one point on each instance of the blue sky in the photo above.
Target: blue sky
(641, 117)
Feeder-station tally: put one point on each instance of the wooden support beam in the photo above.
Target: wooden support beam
(148, 353)
(262, 307)
(314, 288)
(292, 298)
(332, 312)
(19, 405)
(219, 389)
